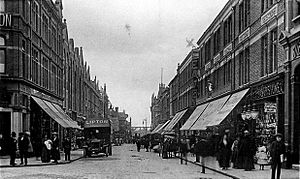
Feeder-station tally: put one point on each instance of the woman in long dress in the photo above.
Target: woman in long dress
(46, 149)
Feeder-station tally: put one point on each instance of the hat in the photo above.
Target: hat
(278, 134)
(54, 133)
(227, 131)
(246, 132)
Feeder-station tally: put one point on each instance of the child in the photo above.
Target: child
(262, 157)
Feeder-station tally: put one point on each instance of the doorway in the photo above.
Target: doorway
(5, 130)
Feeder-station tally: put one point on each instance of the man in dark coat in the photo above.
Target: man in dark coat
(138, 145)
(224, 151)
(12, 148)
(183, 151)
(197, 149)
(277, 151)
(67, 148)
(23, 143)
(247, 151)
(55, 148)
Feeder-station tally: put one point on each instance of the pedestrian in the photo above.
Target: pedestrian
(204, 152)
(67, 148)
(262, 157)
(12, 148)
(138, 145)
(23, 143)
(55, 148)
(224, 151)
(277, 152)
(30, 147)
(183, 148)
(197, 149)
(247, 151)
(1, 144)
(235, 152)
(46, 149)
(146, 145)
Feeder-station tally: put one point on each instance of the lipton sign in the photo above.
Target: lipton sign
(94, 122)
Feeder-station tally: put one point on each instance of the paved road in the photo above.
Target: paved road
(125, 163)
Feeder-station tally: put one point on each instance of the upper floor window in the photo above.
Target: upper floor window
(207, 51)
(244, 15)
(273, 51)
(217, 42)
(264, 54)
(2, 5)
(35, 16)
(266, 4)
(228, 30)
(2, 55)
(244, 66)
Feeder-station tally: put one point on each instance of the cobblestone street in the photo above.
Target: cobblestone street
(125, 162)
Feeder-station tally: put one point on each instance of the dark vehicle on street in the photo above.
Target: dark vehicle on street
(97, 134)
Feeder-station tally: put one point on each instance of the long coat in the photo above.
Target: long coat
(55, 149)
(277, 148)
(224, 153)
(247, 151)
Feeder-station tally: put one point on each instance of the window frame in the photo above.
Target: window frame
(2, 48)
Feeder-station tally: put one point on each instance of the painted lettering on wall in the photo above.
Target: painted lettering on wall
(268, 15)
(91, 122)
(244, 35)
(5, 20)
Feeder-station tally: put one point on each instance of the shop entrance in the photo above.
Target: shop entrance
(296, 113)
(5, 130)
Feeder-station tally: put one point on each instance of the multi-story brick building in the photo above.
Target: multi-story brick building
(160, 106)
(45, 84)
(243, 77)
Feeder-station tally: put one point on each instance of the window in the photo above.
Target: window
(264, 54)
(273, 51)
(24, 61)
(35, 66)
(2, 55)
(45, 27)
(228, 30)
(217, 42)
(35, 16)
(2, 6)
(247, 66)
(244, 15)
(45, 73)
(207, 51)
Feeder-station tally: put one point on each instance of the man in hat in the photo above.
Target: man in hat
(23, 143)
(277, 151)
(12, 148)
(55, 148)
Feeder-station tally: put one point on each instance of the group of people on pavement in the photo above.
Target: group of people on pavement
(49, 150)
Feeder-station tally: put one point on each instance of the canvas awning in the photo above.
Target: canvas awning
(175, 120)
(51, 110)
(156, 128)
(205, 118)
(194, 116)
(228, 107)
(159, 130)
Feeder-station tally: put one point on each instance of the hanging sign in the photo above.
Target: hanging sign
(270, 107)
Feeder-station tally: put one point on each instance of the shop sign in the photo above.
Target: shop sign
(270, 107)
(244, 35)
(268, 15)
(216, 58)
(207, 66)
(227, 49)
(5, 20)
(268, 90)
(96, 123)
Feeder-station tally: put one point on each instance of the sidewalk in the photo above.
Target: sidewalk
(211, 163)
(75, 155)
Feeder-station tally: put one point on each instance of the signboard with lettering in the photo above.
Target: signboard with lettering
(244, 35)
(270, 107)
(96, 122)
(296, 51)
(268, 15)
(267, 90)
(5, 20)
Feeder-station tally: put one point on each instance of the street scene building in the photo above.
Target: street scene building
(242, 75)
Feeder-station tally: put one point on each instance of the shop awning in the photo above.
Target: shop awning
(156, 128)
(194, 116)
(228, 107)
(175, 120)
(162, 127)
(205, 118)
(54, 113)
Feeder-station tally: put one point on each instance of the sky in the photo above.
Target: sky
(128, 42)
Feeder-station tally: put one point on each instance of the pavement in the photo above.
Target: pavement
(211, 163)
(32, 161)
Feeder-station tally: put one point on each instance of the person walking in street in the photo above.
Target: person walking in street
(12, 148)
(235, 152)
(183, 148)
(224, 152)
(138, 145)
(55, 148)
(23, 143)
(277, 152)
(247, 151)
(197, 149)
(67, 148)
(46, 149)
(146, 145)
(30, 147)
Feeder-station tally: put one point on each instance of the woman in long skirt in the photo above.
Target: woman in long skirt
(46, 149)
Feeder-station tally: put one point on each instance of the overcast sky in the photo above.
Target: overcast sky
(127, 42)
